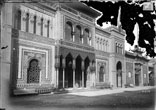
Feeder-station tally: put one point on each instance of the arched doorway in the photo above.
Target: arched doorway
(85, 71)
(69, 72)
(33, 71)
(61, 73)
(78, 72)
(119, 74)
(137, 74)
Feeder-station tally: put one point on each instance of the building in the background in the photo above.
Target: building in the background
(152, 69)
(58, 45)
(136, 68)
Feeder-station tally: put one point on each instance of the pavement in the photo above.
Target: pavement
(111, 91)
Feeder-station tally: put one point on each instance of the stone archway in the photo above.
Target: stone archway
(78, 72)
(119, 74)
(69, 71)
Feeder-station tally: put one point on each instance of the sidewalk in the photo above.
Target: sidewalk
(110, 91)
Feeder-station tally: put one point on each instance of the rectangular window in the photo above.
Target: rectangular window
(41, 26)
(34, 24)
(48, 26)
(116, 48)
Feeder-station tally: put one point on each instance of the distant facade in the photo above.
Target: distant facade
(136, 68)
(58, 45)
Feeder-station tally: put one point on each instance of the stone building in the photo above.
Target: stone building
(136, 68)
(50, 45)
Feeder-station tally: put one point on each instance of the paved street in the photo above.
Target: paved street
(130, 99)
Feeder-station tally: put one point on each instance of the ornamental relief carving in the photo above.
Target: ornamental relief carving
(28, 56)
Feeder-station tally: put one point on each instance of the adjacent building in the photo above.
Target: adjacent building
(49, 45)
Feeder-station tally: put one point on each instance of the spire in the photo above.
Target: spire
(119, 19)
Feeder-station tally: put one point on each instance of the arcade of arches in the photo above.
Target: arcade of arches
(74, 70)
(78, 33)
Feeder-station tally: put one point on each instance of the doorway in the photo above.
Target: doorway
(119, 74)
(69, 72)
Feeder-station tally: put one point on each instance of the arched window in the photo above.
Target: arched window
(33, 72)
(68, 31)
(35, 24)
(41, 26)
(27, 22)
(88, 37)
(78, 33)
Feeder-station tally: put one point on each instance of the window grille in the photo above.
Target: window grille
(33, 71)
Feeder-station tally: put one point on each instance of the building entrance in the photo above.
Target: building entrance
(136, 79)
(137, 74)
(78, 72)
(69, 72)
(73, 70)
(119, 74)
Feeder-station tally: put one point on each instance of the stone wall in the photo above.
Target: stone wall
(145, 75)
(129, 73)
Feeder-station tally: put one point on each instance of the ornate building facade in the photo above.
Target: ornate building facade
(58, 45)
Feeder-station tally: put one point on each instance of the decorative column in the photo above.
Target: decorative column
(134, 73)
(31, 23)
(73, 33)
(23, 20)
(74, 68)
(45, 27)
(63, 66)
(82, 35)
(38, 25)
(57, 65)
(90, 74)
(82, 67)
(141, 72)
(94, 73)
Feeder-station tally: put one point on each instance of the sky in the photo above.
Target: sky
(128, 47)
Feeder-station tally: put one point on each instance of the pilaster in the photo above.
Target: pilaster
(23, 20)
(38, 25)
(74, 69)
(31, 23)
